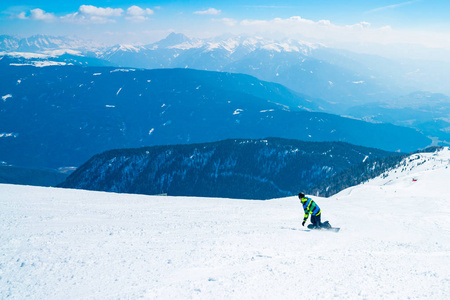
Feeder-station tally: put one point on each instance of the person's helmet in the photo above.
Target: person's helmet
(301, 195)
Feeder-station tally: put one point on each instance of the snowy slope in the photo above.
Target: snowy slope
(394, 243)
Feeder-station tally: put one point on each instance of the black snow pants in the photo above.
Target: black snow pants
(315, 220)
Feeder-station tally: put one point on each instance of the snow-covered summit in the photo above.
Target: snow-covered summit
(167, 52)
(232, 43)
(41, 43)
(45, 43)
(121, 49)
(420, 174)
(172, 40)
(8, 43)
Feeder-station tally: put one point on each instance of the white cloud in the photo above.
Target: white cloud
(322, 29)
(89, 14)
(210, 11)
(355, 36)
(100, 11)
(79, 18)
(137, 14)
(228, 21)
(40, 15)
(22, 16)
(137, 11)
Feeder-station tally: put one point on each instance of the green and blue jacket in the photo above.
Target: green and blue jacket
(310, 207)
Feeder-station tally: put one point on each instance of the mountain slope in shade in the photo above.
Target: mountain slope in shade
(289, 62)
(64, 115)
(427, 112)
(250, 169)
(394, 242)
(309, 68)
(38, 177)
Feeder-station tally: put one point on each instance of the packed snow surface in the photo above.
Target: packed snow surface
(394, 243)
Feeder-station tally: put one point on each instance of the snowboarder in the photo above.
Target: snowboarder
(310, 207)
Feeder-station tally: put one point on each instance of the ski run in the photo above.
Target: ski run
(394, 243)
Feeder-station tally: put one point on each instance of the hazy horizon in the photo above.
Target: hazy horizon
(407, 29)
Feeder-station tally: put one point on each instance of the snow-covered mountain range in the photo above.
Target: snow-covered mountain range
(43, 50)
(358, 85)
(309, 68)
(41, 43)
(394, 242)
(175, 41)
(291, 62)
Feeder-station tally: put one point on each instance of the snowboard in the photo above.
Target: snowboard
(325, 226)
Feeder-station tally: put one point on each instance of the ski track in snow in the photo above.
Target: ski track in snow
(394, 243)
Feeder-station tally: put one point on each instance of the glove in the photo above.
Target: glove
(303, 223)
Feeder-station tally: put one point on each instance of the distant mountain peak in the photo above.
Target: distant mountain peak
(231, 43)
(8, 43)
(173, 39)
(174, 35)
(127, 48)
(40, 43)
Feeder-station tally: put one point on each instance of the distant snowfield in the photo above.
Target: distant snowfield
(394, 243)
(46, 63)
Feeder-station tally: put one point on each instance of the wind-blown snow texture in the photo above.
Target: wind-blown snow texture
(394, 243)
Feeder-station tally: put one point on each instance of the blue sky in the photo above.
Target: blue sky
(423, 22)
